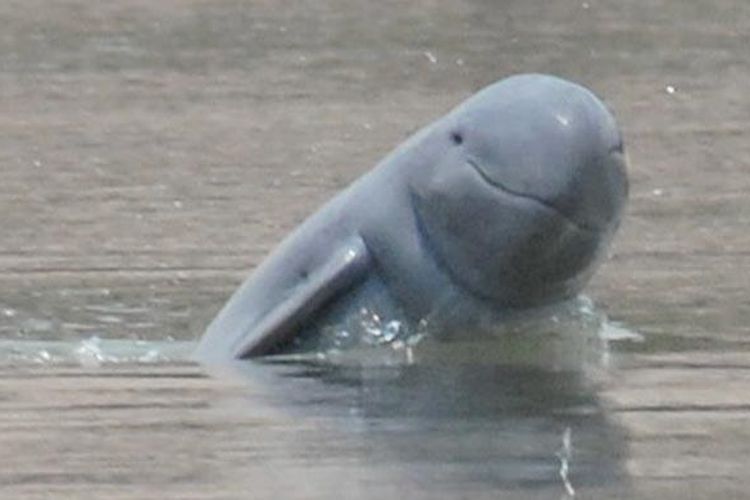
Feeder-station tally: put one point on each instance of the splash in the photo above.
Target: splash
(93, 352)
(565, 455)
(565, 336)
(572, 335)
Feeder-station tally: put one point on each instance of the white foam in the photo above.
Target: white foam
(93, 352)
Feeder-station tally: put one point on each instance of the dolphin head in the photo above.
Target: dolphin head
(525, 191)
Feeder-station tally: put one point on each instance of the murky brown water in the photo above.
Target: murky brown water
(152, 152)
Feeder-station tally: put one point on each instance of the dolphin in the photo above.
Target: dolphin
(509, 201)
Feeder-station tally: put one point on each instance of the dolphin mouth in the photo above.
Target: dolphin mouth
(544, 204)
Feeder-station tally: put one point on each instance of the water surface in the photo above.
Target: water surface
(152, 152)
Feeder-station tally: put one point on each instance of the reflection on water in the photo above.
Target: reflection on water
(450, 428)
(571, 335)
(513, 410)
(154, 151)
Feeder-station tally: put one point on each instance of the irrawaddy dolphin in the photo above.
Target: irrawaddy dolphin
(508, 201)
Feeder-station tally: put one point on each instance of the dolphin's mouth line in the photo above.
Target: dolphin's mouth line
(582, 226)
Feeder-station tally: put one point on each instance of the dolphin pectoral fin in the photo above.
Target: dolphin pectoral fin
(345, 267)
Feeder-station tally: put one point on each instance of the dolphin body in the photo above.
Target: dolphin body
(507, 202)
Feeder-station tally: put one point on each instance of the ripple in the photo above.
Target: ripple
(94, 352)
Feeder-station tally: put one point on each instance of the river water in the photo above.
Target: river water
(152, 152)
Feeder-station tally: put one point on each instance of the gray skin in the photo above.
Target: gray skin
(508, 201)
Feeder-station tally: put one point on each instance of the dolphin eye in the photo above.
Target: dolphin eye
(457, 138)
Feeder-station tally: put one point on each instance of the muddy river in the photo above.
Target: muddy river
(151, 153)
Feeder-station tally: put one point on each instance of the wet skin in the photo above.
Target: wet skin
(509, 201)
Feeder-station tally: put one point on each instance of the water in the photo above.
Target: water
(93, 352)
(516, 410)
(151, 153)
(452, 430)
(571, 335)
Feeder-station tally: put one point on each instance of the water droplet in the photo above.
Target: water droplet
(391, 331)
(564, 454)
(89, 353)
(152, 356)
